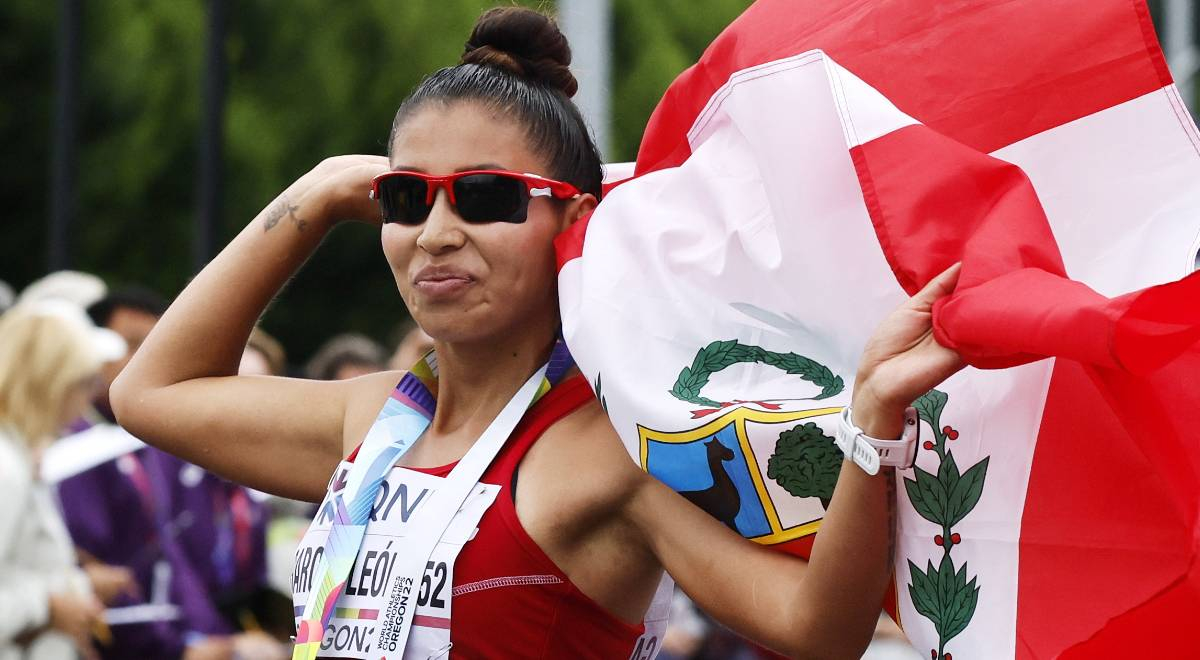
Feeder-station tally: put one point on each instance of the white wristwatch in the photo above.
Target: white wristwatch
(871, 453)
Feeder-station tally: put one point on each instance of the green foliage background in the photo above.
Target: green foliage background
(307, 79)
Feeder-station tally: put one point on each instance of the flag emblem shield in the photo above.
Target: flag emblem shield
(766, 474)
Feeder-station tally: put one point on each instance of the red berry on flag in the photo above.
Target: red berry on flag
(927, 445)
(947, 656)
(950, 432)
(955, 539)
(933, 654)
(937, 540)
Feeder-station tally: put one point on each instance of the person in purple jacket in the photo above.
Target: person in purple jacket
(225, 538)
(120, 513)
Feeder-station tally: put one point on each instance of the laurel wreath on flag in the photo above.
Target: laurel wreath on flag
(943, 594)
(722, 354)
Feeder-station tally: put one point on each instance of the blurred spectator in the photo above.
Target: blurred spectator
(81, 289)
(50, 355)
(120, 513)
(264, 356)
(687, 629)
(346, 356)
(130, 312)
(7, 297)
(411, 345)
(890, 643)
(225, 540)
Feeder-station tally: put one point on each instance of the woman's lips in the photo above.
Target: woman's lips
(444, 288)
(441, 282)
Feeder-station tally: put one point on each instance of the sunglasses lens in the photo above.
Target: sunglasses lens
(491, 198)
(402, 200)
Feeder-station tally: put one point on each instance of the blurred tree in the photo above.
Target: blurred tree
(307, 79)
(653, 42)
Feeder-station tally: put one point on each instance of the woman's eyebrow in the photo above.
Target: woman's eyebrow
(481, 166)
(468, 168)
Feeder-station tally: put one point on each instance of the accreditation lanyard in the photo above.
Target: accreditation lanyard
(404, 418)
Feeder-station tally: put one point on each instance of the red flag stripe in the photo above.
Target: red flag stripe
(939, 62)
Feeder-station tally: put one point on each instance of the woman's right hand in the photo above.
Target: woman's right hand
(74, 615)
(336, 190)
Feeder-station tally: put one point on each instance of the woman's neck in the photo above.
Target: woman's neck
(476, 380)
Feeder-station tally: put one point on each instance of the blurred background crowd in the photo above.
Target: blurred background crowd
(141, 136)
(121, 550)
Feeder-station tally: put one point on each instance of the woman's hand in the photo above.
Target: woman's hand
(336, 190)
(109, 582)
(902, 360)
(74, 615)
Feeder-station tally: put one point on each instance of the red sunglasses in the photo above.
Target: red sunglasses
(478, 195)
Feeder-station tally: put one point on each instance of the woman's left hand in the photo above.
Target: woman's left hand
(902, 360)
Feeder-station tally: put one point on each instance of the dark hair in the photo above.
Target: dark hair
(516, 61)
(137, 298)
(348, 349)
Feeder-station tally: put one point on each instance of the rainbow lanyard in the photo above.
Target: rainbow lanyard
(401, 422)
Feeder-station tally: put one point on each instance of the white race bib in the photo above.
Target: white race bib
(386, 585)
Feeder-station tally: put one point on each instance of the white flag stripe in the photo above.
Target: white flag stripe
(1126, 174)
(614, 172)
(866, 114)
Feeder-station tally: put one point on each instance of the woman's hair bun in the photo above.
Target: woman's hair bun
(525, 42)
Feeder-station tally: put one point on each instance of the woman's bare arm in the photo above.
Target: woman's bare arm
(180, 392)
(827, 607)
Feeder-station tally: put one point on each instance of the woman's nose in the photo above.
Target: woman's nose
(442, 230)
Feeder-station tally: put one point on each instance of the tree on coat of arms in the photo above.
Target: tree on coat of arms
(806, 462)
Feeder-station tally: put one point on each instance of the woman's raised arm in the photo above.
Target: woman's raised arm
(180, 392)
(828, 607)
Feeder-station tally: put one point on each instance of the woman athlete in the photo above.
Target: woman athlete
(567, 559)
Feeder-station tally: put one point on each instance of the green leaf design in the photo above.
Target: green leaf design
(928, 496)
(946, 589)
(923, 592)
(966, 492)
(929, 408)
(943, 596)
(961, 606)
(948, 473)
(719, 355)
(806, 463)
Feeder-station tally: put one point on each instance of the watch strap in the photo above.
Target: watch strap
(872, 453)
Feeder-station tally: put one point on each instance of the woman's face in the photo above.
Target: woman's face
(467, 282)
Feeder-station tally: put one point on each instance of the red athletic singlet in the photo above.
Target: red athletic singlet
(510, 599)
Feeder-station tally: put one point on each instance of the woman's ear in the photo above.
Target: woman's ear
(579, 208)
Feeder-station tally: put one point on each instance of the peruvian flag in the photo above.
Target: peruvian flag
(821, 162)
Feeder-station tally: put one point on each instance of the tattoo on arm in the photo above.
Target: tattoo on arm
(280, 209)
(277, 211)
